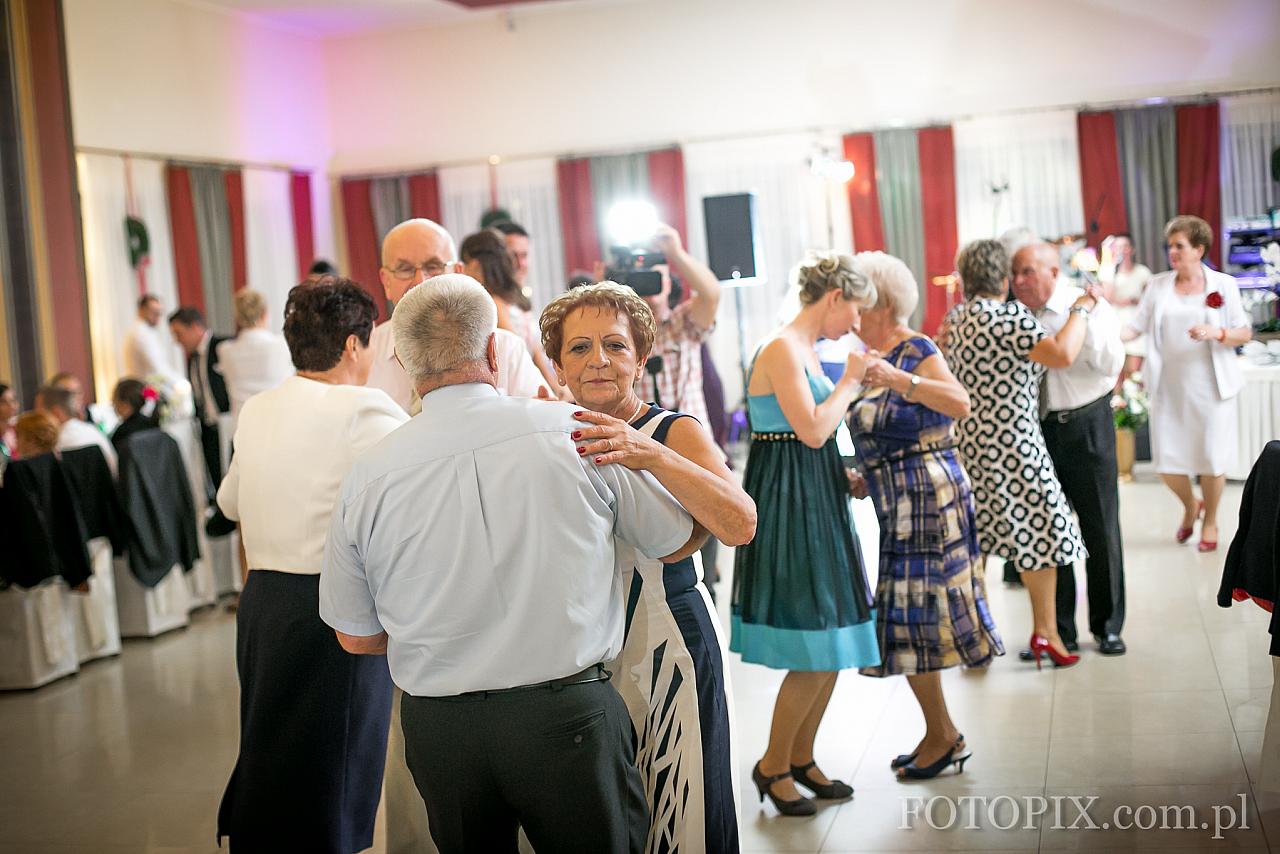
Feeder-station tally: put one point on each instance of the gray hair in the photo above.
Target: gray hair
(443, 324)
(983, 266)
(896, 287)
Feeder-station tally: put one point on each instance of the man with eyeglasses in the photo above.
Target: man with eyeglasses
(412, 252)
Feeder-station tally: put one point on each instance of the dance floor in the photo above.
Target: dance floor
(131, 755)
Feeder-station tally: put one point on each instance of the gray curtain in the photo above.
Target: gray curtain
(898, 186)
(1250, 132)
(389, 198)
(213, 232)
(1147, 138)
(616, 178)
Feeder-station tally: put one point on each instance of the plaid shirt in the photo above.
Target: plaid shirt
(679, 343)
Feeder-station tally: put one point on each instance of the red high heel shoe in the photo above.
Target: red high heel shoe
(1040, 645)
(1184, 534)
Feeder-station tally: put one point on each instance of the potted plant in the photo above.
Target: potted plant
(1131, 411)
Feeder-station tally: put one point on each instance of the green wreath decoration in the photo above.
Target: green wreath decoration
(139, 244)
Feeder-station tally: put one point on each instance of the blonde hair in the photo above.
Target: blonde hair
(896, 287)
(1198, 232)
(250, 308)
(605, 295)
(824, 271)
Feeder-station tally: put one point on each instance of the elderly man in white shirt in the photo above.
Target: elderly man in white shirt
(1080, 434)
(412, 252)
(148, 351)
(474, 545)
(73, 432)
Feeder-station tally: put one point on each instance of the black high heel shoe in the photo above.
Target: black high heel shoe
(905, 759)
(836, 790)
(914, 772)
(800, 806)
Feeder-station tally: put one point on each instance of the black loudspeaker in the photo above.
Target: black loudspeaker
(731, 236)
(1275, 165)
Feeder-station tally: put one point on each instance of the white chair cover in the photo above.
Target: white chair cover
(97, 623)
(146, 613)
(37, 636)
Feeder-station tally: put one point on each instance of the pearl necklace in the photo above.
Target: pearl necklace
(639, 406)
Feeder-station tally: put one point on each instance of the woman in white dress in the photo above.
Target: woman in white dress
(255, 360)
(1123, 280)
(1193, 319)
(671, 672)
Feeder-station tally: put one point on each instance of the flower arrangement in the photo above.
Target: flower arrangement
(167, 399)
(1131, 406)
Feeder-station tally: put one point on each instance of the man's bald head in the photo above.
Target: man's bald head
(413, 251)
(1035, 274)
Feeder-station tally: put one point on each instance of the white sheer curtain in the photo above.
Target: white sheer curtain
(464, 197)
(793, 207)
(1250, 132)
(527, 189)
(112, 283)
(270, 254)
(1036, 156)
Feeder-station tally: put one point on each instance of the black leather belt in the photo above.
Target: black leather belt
(1062, 416)
(594, 673)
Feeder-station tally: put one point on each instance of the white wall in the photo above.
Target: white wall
(182, 79)
(587, 77)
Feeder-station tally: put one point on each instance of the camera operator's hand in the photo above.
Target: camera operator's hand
(667, 241)
(599, 271)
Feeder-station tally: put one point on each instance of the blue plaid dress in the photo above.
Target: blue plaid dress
(931, 604)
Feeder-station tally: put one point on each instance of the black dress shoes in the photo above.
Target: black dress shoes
(1072, 646)
(1110, 644)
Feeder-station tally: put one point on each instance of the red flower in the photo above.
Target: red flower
(149, 393)
(1213, 300)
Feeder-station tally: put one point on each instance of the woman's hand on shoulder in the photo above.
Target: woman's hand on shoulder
(611, 440)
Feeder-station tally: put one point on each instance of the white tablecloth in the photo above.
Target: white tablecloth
(1258, 407)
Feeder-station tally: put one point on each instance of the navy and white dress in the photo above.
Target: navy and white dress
(672, 677)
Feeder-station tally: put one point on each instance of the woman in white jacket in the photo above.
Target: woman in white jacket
(1193, 319)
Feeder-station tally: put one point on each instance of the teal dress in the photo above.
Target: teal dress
(800, 595)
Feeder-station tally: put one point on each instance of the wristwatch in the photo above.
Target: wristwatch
(911, 389)
(1080, 310)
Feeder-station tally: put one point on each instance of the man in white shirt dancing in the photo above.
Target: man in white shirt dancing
(1080, 434)
(474, 546)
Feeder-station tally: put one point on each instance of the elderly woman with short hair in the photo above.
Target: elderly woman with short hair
(255, 360)
(999, 352)
(671, 672)
(313, 718)
(1193, 319)
(931, 602)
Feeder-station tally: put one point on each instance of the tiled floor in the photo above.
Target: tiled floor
(131, 754)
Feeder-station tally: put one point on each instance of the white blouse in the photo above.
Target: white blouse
(293, 446)
(252, 362)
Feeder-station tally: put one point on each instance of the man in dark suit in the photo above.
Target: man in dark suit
(208, 388)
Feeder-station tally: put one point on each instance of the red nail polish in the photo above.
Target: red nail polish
(577, 414)
(598, 460)
(582, 450)
(577, 434)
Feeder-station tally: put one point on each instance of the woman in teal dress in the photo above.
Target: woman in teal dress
(800, 596)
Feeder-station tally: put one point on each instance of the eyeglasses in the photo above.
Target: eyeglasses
(405, 272)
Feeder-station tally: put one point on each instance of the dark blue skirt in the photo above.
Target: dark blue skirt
(313, 726)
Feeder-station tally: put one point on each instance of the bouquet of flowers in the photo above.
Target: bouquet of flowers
(168, 399)
(1131, 406)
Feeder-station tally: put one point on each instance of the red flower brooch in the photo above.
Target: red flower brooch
(1213, 299)
(149, 393)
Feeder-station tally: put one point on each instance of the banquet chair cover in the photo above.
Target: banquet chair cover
(37, 635)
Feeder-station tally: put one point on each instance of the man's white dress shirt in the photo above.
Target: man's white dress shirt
(81, 434)
(518, 376)
(149, 352)
(1094, 372)
(294, 445)
(483, 544)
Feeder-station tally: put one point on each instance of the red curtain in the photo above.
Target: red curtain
(577, 215)
(864, 201)
(424, 196)
(303, 234)
(666, 185)
(938, 205)
(186, 245)
(235, 218)
(1101, 186)
(1199, 191)
(363, 253)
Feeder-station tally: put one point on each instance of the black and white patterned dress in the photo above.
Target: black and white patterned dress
(1022, 513)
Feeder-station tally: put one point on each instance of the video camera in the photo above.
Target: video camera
(634, 268)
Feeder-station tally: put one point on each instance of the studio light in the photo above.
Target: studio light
(631, 222)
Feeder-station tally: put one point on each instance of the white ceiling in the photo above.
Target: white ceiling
(328, 18)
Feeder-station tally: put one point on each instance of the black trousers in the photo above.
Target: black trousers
(211, 446)
(1082, 445)
(559, 762)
